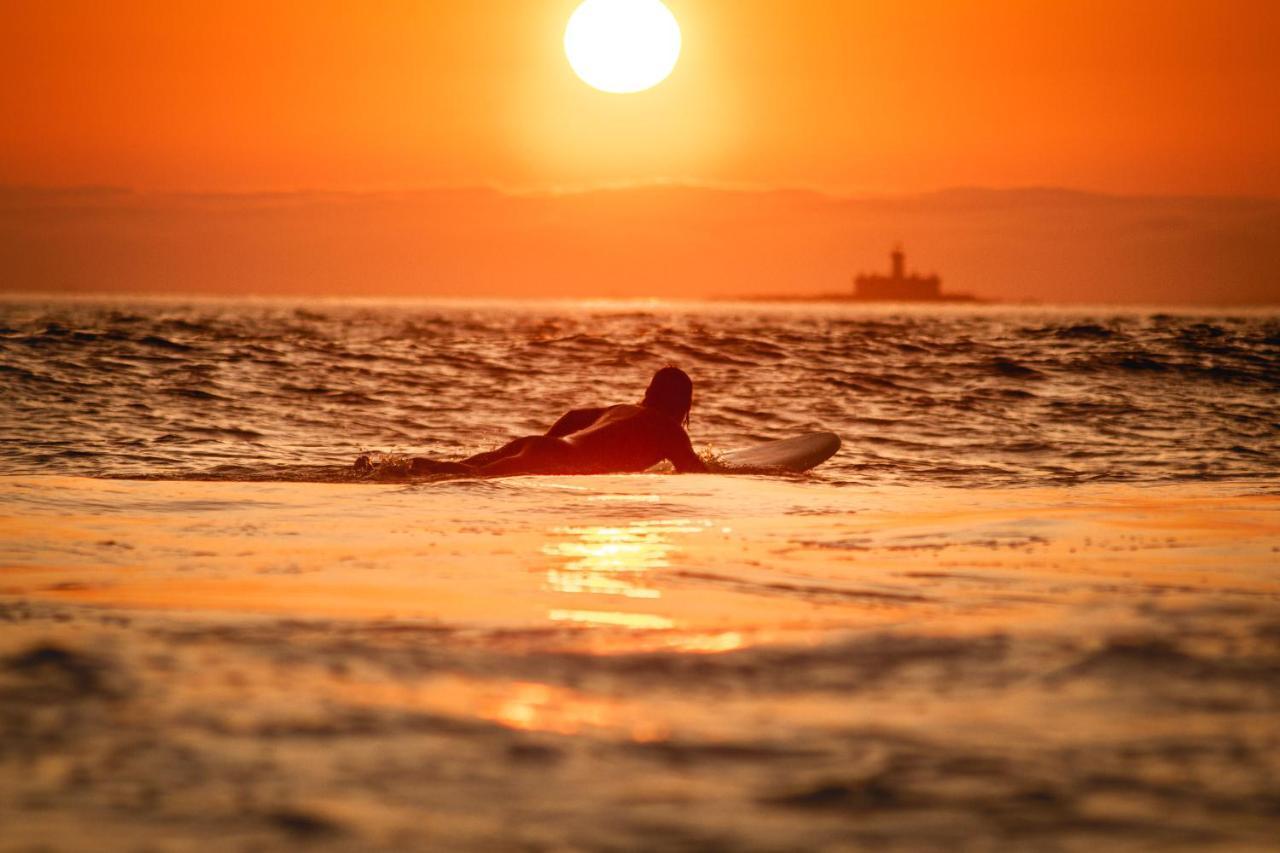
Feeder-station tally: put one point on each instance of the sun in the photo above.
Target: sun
(622, 46)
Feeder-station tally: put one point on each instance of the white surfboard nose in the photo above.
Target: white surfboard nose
(791, 454)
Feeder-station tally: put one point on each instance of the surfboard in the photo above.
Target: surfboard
(789, 454)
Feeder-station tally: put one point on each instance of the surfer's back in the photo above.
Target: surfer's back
(633, 438)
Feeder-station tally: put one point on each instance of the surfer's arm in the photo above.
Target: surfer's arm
(683, 457)
(574, 421)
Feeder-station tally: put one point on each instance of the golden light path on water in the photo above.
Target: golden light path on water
(615, 561)
(695, 556)
(699, 648)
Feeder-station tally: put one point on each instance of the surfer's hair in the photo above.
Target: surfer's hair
(671, 390)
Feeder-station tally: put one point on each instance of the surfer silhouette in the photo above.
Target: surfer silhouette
(608, 440)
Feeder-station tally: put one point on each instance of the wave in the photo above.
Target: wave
(956, 398)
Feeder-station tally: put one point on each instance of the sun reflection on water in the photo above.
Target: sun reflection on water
(531, 706)
(640, 621)
(614, 560)
(523, 705)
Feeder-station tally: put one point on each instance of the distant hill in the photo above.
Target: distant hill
(663, 241)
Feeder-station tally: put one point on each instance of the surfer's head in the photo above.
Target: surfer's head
(670, 390)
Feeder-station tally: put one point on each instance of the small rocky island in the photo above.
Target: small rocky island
(898, 286)
(903, 286)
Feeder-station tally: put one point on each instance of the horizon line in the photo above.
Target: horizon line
(740, 299)
(603, 187)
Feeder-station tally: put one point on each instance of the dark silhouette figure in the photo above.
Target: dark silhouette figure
(899, 284)
(608, 440)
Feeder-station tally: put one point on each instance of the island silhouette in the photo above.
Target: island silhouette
(900, 285)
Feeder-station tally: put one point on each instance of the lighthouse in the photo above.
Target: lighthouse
(899, 285)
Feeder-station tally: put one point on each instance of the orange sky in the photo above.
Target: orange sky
(1146, 96)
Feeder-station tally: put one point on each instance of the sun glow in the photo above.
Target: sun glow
(622, 46)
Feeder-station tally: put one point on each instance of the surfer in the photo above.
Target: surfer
(608, 440)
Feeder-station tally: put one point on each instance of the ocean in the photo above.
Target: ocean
(960, 396)
(1032, 604)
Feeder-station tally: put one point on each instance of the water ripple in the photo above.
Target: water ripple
(977, 397)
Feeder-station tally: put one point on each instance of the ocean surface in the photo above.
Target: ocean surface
(1032, 604)
(963, 396)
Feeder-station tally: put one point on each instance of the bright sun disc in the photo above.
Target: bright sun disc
(622, 46)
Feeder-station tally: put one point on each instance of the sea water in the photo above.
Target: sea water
(963, 396)
(1034, 602)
